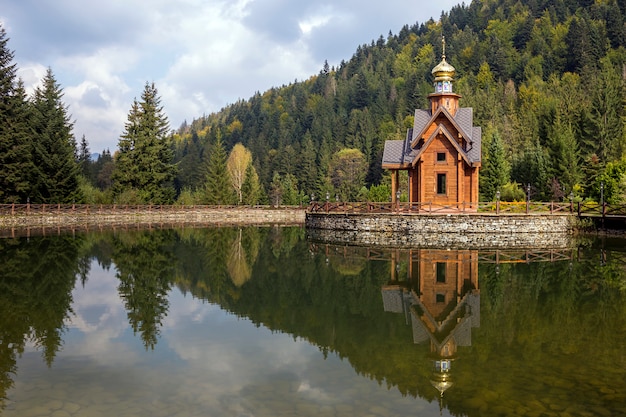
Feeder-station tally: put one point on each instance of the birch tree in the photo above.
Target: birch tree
(238, 161)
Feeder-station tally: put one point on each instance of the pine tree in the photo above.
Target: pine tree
(144, 161)
(307, 168)
(54, 147)
(496, 170)
(607, 112)
(531, 168)
(218, 189)
(84, 159)
(16, 163)
(190, 172)
(276, 190)
(565, 154)
(103, 170)
(251, 188)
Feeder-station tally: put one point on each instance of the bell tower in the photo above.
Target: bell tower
(444, 95)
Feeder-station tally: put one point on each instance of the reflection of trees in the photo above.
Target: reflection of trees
(36, 283)
(243, 253)
(145, 268)
(564, 314)
(540, 312)
(202, 263)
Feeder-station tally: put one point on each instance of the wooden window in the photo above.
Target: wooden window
(441, 157)
(440, 298)
(441, 272)
(441, 184)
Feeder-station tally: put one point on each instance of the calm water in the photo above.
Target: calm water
(260, 322)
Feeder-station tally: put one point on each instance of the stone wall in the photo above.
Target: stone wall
(119, 216)
(449, 231)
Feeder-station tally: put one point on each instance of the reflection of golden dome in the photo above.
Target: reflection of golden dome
(441, 382)
(443, 71)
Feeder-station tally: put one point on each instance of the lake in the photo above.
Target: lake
(262, 321)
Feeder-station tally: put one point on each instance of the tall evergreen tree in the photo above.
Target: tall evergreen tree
(16, 163)
(54, 146)
(103, 170)
(496, 170)
(190, 173)
(84, 158)
(531, 168)
(218, 189)
(565, 154)
(607, 112)
(144, 161)
(251, 188)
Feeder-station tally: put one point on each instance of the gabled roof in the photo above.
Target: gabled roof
(462, 116)
(402, 153)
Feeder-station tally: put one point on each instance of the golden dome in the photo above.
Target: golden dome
(443, 71)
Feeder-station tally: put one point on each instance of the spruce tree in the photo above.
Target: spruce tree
(218, 189)
(54, 147)
(251, 188)
(496, 170)
(16, 163)
(84, 159)
(144, 164)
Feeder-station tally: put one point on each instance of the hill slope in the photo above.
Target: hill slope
(545, 79)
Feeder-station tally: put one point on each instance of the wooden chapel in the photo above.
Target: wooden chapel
(441, 152)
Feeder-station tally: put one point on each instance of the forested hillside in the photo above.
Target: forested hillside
(545, 79)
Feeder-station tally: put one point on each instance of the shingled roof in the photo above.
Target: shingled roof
(399, 152)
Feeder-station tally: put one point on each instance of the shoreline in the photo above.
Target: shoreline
(134, 218)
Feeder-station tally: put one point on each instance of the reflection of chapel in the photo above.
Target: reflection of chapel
(442, 300)
(441, 152)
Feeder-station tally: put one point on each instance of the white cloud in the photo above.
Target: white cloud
(202, 54)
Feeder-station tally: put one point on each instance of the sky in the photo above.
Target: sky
(202, 55)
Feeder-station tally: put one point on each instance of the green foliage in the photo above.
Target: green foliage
(84, 158)
(348, 170)
(495, 172)
(35, 298)
(188, 197)
(102, 170)
(512, 191)
(144, 160)
(218, 189)
(613, 182)
(251, 188)
(16, 158)
(546, 77)
(276, 190)
(531, 168)
(56, 173)
(93, 195)
(379, 193)
(144, 264)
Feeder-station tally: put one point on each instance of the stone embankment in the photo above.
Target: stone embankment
(205, 215)
(473, 230)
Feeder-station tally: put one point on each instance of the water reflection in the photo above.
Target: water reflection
(464, 332)
(440, 298)
(35, 298)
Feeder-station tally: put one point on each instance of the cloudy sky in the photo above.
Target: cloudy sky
(201, 54)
